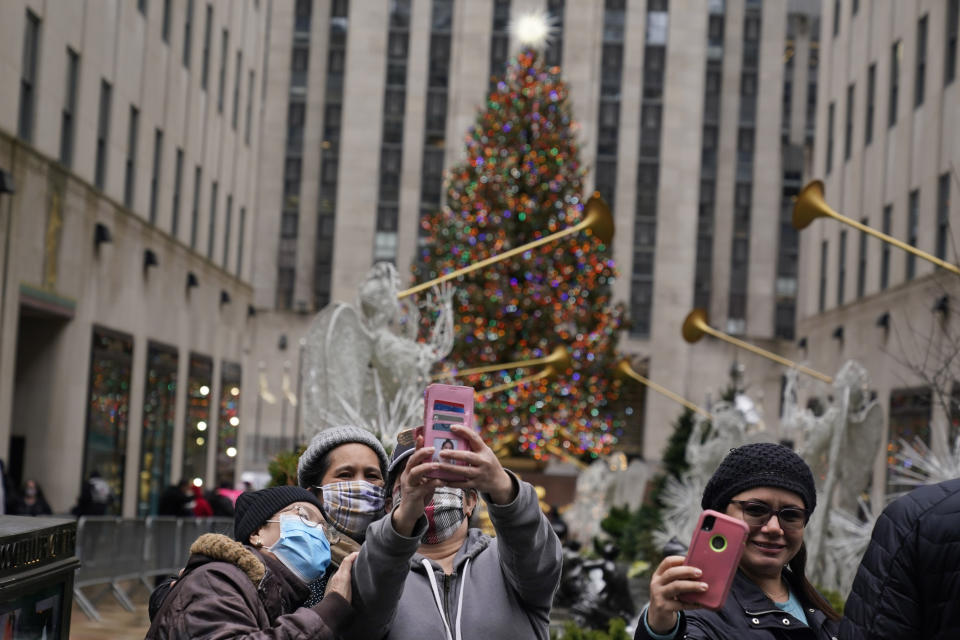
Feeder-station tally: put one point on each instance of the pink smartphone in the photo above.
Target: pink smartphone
(715, 549)
(444, 406)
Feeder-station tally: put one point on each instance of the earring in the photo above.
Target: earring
(259, 543)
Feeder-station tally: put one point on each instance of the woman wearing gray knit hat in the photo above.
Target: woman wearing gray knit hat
(771, 489)
(345, 468)
(257, 584)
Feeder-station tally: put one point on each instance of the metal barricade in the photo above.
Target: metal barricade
(161, 549)
(114, 549)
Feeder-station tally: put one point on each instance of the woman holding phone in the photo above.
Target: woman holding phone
(424, 573)
(771, 489)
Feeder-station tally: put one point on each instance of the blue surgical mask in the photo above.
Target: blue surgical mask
(302, 548)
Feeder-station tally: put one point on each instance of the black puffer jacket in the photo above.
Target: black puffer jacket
(749, 614)
(908, 584)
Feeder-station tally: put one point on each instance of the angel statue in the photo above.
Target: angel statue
(363, 364)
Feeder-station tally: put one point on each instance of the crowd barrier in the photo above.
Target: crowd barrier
(114, 550)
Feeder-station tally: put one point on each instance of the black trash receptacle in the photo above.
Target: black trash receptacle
(37, 564)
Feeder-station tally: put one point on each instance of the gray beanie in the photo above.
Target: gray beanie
(330, 439)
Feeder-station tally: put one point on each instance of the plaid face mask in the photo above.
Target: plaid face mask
(352, 506)
(444, 515)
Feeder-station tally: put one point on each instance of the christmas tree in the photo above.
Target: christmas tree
(522, 180)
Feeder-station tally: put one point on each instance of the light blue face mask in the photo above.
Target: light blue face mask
(302, 548)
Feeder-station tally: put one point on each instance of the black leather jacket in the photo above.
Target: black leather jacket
(748, 613)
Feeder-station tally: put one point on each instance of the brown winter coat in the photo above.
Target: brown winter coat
(229, 590)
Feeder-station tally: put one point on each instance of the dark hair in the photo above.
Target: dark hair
(797, 578)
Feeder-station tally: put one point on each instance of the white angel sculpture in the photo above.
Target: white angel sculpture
(363, 364)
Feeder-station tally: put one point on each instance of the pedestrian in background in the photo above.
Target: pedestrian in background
(908, 583)
(96, 497)
(32, 501)
(177, 500)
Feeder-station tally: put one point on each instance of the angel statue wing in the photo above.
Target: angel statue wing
(336, 367)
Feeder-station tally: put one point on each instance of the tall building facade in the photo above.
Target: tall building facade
(130, 134)
(367, 103)
(888, 151)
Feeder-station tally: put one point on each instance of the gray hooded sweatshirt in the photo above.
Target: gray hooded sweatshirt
(500, 587)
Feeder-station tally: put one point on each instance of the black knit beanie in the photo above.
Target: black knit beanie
(764, 464)
(254, 508)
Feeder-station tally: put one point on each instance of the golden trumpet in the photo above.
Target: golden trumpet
(559, 357)
(548, 372)
(598, 220)
(810, 205)
(696, 325)
(624, 368)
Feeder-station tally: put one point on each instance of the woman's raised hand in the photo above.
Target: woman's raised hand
(671, 579)
(416, 489)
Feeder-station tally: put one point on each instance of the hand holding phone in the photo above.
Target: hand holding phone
(715, 549)
(446, 405)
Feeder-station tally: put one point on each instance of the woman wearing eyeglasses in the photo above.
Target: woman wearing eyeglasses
(771, 489)
(256, 585)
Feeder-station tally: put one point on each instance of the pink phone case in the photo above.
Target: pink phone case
(446, 405)
(716, 551)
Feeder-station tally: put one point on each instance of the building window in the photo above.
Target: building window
(823, 277)
(829, 159)
(103, 133)
(499, 40)
(236, 91)
(836, 17)
(553, 56)
(909, 419)
(28, 77)
(871, 91)
(228, 422)
(165, 29)
(196, 433)
(241, 231)
(130, 167)
(848, 125)
(177, 185)
(896, 54)
(841, 267)
(159, 417)
(142, 7)
(226, 231)
(108, 406)
(222, 83)
(68, 119)
(434, 138)
(195, 207)
(188, 34)
(391, 154)
(950, 46)
(913, 211)
(299, 65)
(943, 215)
(155, 176)
(249, 116)
(855, 7)
(211, 230)
(329, 163)
(862, 262)
(303, 13)
(885, 248)
(611, 75)
(207, 31)
(920, 77)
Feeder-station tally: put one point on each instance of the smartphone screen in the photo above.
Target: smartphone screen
(445, 414)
